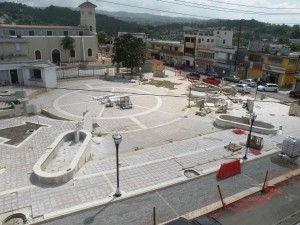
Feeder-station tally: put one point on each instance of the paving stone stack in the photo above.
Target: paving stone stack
(291, 146)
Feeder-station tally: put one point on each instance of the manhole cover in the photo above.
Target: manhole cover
(191, 173)
(15, 219)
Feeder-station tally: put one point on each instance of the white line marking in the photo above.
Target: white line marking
(139, 123)
(101, 112)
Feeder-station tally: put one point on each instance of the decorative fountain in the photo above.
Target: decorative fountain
(65, 156)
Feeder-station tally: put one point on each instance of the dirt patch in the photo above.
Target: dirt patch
(163, 83)
(18, 134)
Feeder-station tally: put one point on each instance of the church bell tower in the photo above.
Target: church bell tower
(88, 16)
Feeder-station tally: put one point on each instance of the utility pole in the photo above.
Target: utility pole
(238, 46)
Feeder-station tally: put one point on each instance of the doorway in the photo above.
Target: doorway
(56, 57)
(14, 76)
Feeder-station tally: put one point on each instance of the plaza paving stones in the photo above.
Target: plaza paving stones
(161, 138)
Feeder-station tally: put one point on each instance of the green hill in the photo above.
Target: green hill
(52, 15)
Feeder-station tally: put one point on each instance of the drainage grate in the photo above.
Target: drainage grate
(15, 219)
(30, 131)
(191, 173)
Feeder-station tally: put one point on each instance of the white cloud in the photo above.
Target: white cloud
(179, 9)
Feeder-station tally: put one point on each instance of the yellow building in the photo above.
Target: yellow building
(255, 62)
(168, 51)
(279, 69)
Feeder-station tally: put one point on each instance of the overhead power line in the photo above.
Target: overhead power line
(223, 9)
(250, 6)
(157, 10)
(186, 14)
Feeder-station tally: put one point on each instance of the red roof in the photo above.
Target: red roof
(41, 27)
(153, 61)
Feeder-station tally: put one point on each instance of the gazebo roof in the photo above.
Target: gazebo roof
(87, 4)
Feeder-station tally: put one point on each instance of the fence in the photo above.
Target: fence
(84, 71)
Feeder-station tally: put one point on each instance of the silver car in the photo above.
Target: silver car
(268, 87)
(244, 88)
(249, 82)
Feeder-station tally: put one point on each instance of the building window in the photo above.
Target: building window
(293, 61)
(90, 52)
(224, 42)
(49, 32)
(207, 40)
(176, 49)
(218, 32)
(212, 40)
(91, 28)
(225, 32)
(37, 54)
(170, 48)
(80, 33)
(274, 60)
(66, 33)
(31, 33)
(72, 53)
(36, 74)
(12, 32)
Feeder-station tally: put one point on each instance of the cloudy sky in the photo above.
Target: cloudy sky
(272, 11)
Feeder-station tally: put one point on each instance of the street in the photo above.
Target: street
(283, 208)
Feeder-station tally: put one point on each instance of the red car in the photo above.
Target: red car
(193, 76)
(211, 80)
(179, 66)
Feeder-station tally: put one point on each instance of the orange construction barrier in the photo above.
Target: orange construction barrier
(229, 169)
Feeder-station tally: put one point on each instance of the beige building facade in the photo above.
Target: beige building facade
(27, 42)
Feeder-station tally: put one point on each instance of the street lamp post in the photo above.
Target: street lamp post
(252, 119)
(189, 106)
(117, 139)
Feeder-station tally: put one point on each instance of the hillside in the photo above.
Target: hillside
(52, 15)
(171, 28)
(148, 19)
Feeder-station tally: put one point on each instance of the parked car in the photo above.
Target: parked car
(211, 80)
(295, 93)
(179, 66)
(250, 82)
(260, 81)
(268, 87)
(201, 220)
(244, 88)
(212, 74)
(234, 79)
(168, 63)
(193, 76)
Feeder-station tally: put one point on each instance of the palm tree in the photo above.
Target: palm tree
(68, 43)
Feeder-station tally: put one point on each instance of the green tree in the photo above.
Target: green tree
(295, 47)
(101, 37)
(68, 43)
(130, 51)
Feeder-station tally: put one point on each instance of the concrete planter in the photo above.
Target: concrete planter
(227, 121)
